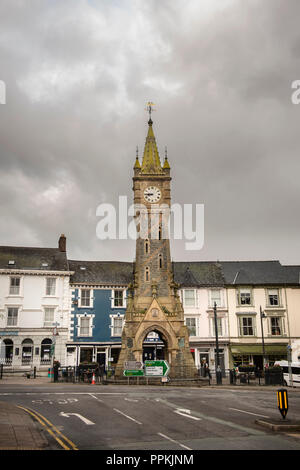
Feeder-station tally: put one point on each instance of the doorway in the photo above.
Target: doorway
(258, 362)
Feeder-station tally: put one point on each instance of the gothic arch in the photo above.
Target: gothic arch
(165, 336)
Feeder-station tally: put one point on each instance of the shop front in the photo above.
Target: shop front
(242, 355)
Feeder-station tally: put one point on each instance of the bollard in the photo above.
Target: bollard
(1, 371)
(282, 401)
(34, 373)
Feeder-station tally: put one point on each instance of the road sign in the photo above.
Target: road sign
(157, 368)
(133, 365)
(133, 373)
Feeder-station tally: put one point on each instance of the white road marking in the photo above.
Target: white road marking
(186, 413)
(96, 398)
(85, 420)
(126, 416)
(249, 413)
(130, 399)
(173, 440)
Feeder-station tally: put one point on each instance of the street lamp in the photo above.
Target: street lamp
(217, 364)
(262, 315)
(289, 355)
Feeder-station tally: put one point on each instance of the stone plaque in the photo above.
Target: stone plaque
(154, 312)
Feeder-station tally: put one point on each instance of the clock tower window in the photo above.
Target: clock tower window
(160, 261)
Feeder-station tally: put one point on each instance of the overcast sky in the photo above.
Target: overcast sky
(78, 75)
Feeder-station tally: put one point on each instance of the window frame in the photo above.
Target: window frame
(268, 303)
(90, 318)
(244, 288)
(46, 323)
(220, 327)
(184, 298)
(241, 326)
(14, 294)
(189, 327)
(12, 307)
(211, 301)
(113, 298)
(113, 317)
(51, 294)
(80, 297)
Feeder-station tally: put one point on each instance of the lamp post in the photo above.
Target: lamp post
(218, 368)
(289, 355)
(262, 315)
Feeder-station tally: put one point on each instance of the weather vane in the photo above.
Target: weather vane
(149, 108)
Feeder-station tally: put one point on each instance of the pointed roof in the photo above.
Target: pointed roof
(151, 162)
(137, 163)
(166, 164)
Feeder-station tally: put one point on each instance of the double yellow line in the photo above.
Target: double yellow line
(52, 430)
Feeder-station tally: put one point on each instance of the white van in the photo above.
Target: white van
(295, 372)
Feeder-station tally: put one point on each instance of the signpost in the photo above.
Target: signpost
(133, 373)
(156, 368)
(150, 369)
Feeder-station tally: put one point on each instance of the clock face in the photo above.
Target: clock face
(152, 194)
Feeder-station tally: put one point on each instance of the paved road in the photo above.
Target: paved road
(155, 418)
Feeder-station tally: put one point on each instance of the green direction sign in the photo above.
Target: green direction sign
(157, 368)
(133, 373)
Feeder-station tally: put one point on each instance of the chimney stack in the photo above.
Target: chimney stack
(62, 243)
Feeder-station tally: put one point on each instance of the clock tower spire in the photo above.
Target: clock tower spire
(153, 301)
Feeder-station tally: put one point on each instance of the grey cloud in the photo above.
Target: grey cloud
(222, 87)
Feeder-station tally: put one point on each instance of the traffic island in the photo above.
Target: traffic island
(279, 425)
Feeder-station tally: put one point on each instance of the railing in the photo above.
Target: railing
(6, 361)
(75, 375)
(45, 362)
(244, 377)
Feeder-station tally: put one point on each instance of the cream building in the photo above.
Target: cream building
(34, 306)
(258, 302)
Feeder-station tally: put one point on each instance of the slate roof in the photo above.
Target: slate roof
(192, 274)
(259, 273)
(33, 258)
(101, 272)
(202, 273)
(187, 274)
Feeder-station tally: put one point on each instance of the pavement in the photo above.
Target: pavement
(19, 430)
(22, 430)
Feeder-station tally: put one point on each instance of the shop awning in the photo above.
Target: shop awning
(256, 349)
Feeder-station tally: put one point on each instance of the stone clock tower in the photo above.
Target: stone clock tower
(153, 302)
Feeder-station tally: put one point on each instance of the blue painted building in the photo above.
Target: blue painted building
(99, 296)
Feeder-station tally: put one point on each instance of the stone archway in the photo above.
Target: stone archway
(154, 347)
(164, 335)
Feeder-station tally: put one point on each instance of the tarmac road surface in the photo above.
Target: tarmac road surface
(88, 417)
